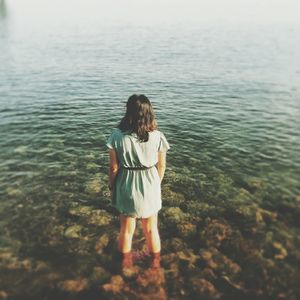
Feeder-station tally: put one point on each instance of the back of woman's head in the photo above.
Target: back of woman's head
(139, 117)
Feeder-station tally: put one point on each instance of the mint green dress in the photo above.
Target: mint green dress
(137, 193)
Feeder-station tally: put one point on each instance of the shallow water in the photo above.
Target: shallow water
(226, 97)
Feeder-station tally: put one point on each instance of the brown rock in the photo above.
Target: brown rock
(115, 286)
(204, 289)
(74, 285)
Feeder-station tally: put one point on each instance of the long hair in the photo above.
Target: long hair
(139, 117)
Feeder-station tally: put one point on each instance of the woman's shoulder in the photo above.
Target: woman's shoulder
(116, 130)
(157, 132)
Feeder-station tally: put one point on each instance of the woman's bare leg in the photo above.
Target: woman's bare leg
(127, 228)
(151, 233)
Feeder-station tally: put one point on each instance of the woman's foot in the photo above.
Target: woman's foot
(155, 263)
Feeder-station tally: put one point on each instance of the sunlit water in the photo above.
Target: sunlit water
(227, 98)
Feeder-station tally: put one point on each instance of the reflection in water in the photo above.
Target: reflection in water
(3, 9)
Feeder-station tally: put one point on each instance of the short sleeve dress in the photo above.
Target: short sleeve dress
(137, 193)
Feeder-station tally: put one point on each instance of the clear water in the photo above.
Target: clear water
(227, 98)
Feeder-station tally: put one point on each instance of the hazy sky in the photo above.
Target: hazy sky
(153, 11)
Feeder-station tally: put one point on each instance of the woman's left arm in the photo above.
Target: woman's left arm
(113, 167)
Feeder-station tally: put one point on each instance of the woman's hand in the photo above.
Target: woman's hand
(113, 170)
(161, 164)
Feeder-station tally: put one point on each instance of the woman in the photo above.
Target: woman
(137, 152)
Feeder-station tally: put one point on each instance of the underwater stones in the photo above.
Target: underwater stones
(80, 210)
(203, 210)
(115, 285)
(91, 216)
(171, 198)
(289, 212)
(147, 284)
(175, 244)
(249, 217)
(266, 215)
(92, 166)
(9, 261)
(187, 257)
(214, 233)
(218, 262)
(93, 186)
(131, 272)
(3, 295)
(243, 197)
(41, 266)
(174, 215)
(102, 243)
(73, 231)
(206, 255)
(255, 184)
(150, 282)
(73, 285)
(173, 269)
(203, 289)
(281, 251)
(13, 192)
(99, 275)
(26, 264)
(21, 150)
(99, 217)
(187, 230)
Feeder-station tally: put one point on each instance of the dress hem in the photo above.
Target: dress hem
(136, 216)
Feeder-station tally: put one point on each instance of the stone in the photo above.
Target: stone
(187, 230)
(73, 231)
(173, 215)
(115, 285)
(204, 289)
(93, 186)
(3, 295)
(99, 275)
(102, 243)
(282, 251)
(74, 285)
(91, 216)
(215, 232)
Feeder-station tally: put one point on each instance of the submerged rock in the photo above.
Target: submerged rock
(203, 289)
(281, 251)
(174, 215)
(74, 285)
(187, 230)
(73, 231)
(214, 233)
(115, 285)
(219, 262)
(99, 274)
(102, 243)
(3, 295)
(94, 185)
(249, 218)
(175, 244)
(171, 198)
(92, 216)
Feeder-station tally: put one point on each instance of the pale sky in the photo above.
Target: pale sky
(149, 11)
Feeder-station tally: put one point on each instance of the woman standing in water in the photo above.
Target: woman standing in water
(137, 152)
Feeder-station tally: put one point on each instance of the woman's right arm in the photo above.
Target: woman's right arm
(161, 164)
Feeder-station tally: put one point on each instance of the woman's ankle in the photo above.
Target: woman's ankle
(155, 259)
(127, 261)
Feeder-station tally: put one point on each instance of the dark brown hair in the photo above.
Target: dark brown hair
(139, 117)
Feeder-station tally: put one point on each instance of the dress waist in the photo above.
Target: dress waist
(137, 168)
